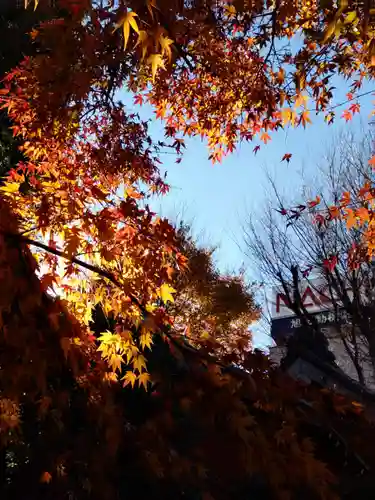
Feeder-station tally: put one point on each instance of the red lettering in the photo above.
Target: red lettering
(283, 297)
(308, 293)
(309, 299)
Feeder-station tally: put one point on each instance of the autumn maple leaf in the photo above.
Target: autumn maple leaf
(305, 118)
(314, 203)
(46, 478)
(138, 99)
(286, 157)
(265, 137)
(355, 108)
(347, 115)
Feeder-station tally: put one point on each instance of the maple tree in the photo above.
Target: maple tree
(212, 310)
(78, 200)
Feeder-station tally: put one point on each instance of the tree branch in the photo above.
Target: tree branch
(184, 345)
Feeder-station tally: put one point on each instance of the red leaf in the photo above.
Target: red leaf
(314, 203)
(355, 108)
(330, 263)
(138, 99)
(319, 220)
(283, 211)
(257, 148)
(286, 157)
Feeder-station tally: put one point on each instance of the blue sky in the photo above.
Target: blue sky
(216, 198)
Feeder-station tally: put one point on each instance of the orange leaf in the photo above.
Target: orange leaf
(265, 137)
(347, 115)
(305, 118)
(345, 200)
(350, 218)
(334, 212)
(45, 477)
(363, 214)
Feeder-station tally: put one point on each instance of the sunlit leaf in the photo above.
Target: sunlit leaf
(156, 62)
(166, 292)
(129, 378)
(126, 22)
(144, 379)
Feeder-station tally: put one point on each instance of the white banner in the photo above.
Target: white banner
(315, 296)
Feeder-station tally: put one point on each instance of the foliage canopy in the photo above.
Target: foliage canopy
(78, 198)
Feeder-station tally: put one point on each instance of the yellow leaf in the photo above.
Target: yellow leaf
(10, 187)
(132, 21)
(288, 115)
(139, 363)
(28, 2)
(301, 100)
(142, 37)
(115, 362)
(144, 379)
(106, 337)
(165, 293)
(230, 10)
(110, 377)
(205, 335)
(156, 61)
(146, 340)
(151, 308)
(350, 17)
(305, 118)
(165, 44)
(126, 22)
(129, 378)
